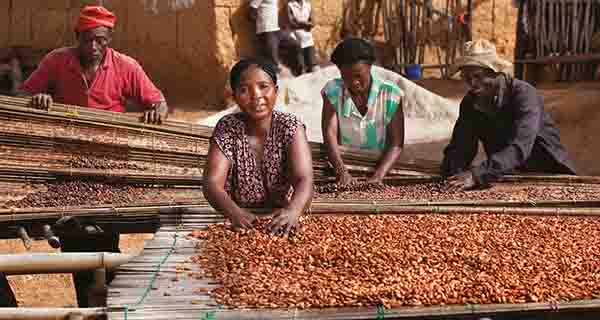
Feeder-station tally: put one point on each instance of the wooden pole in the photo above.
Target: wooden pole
(520, 45)
(577, 58)
(51, 313)
(98, 292)
(38, 263)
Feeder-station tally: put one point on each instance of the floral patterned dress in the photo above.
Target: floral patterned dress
(249, 184)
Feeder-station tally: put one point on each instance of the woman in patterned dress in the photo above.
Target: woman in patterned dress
(258, 158)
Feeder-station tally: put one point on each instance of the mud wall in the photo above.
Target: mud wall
(187, 46)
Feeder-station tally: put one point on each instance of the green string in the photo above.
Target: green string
(209, 315)
(154, 276)
(380, 312)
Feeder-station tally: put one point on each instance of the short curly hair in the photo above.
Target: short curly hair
(352, 51)
(235, 76)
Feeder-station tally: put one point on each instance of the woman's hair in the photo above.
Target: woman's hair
(352, 51)
(235, 76)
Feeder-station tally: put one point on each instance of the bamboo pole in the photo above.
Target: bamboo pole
(24, 172)
(391, 209)
(37, 263)
(76, 113)
(51, 313)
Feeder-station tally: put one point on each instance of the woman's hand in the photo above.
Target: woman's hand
(284, 221)
(343, 177)
(374, 179)
(242, 219)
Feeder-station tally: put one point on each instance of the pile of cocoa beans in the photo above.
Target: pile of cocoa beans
(78, 193)
(104, 163)
(408, 260)
(440, 191)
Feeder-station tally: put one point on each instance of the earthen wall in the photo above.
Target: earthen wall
(187, 46)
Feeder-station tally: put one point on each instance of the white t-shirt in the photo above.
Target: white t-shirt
(300, 10)
(267, 17)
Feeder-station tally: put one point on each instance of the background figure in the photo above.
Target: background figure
(301, 19)
(265, 14)
(7, 296)
(85, 236)
(11, 72)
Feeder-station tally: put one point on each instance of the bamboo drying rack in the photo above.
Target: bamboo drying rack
(135, 276)
(357, 160)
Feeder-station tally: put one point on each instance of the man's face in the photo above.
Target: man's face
(94, 42)
(482, 81)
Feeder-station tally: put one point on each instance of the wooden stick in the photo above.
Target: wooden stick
(35, 263)
(51, 313)
(579, 58)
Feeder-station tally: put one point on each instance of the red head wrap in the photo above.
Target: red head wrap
(93, 17)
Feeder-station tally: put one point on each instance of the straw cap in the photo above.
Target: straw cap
(481, 53)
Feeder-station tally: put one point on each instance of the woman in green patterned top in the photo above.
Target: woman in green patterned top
(361, 110)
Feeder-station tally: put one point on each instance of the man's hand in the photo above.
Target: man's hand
(284, 221)
(242, 220)
(464, 180)
(41, 101)
(157, 114)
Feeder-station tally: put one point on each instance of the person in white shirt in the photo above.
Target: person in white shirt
(301, 20)
(266, 15)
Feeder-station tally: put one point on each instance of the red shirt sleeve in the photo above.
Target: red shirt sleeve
(40, 81)
(143, 91)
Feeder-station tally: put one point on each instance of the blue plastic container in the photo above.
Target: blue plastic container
(413, 71)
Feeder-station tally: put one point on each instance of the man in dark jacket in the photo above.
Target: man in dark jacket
(507, 116)
(7, 296)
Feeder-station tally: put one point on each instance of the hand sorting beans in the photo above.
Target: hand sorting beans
(440, 191)
(408, 260)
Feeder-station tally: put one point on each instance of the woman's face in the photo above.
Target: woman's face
(256, 94)
(357, 77)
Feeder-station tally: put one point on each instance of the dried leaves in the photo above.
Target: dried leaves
(439, 191)
(407, 260)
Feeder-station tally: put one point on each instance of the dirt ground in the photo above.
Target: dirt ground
(574, 107)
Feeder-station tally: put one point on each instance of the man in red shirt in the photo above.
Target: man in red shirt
(94, 75)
